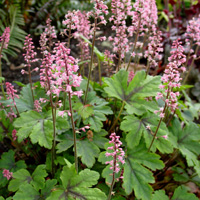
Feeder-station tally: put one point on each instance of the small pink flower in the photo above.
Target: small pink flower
(165, 136)
(7, 174)
(61, 113)
(162, 115)
(14, 135)
(148, 127)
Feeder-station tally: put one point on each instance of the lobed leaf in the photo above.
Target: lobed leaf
(77, 186)
(136, 128)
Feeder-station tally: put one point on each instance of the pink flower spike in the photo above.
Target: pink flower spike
(115, 152)
(5, 38)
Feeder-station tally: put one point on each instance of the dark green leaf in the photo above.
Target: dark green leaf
(87, 150)
(187, 141)
(136, 128)
(77, 186)
(27, 192)
(160, 195)
(181, 194)
(36, 126)
(136, 176)
(133, 93)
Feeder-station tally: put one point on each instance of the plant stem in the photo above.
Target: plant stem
(72, 121)
(53, 154)
(136, 38)
(2, 89)
(68, 46)
(119, 62)
(148, 67)
(165, 107)
(115, 122)
(154, 136)
(99, 67)
(30, 80)
(74, 132)
(91, 60)
(3, 92)
(190, 68)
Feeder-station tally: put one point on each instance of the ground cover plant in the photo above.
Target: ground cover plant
(132, 133)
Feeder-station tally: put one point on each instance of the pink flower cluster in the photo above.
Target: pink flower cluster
(5, 38)
(11, 95)
(171, 78)
(154, 49)
(7, 174)
(117, 153)
(193, 30)
(14, 134)
(47, 36)
(83, 27)
(11, 92)
(30, 54)
(121, 9)
(58, 72)
(100, 9)
(146, 13)
(37, 106)
(68, 77)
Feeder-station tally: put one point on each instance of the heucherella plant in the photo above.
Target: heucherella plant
(131, 135)
(171, 80)
(29, 57)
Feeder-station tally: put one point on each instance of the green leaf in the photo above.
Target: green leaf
(65, 141)
(20, 177)
(84, 111)
(77, 186)
(27, 192)
(62, 123)
(97, 110)
(181, 194)
(133, 93)
(37, 180)
(187, 141)
(8, 162)
(180, 175)
(160, 195)
(87, 150)
(38, 177)
(36, 126)
(136, 128)
(99, 139)
(46, 191)
(136, 176)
